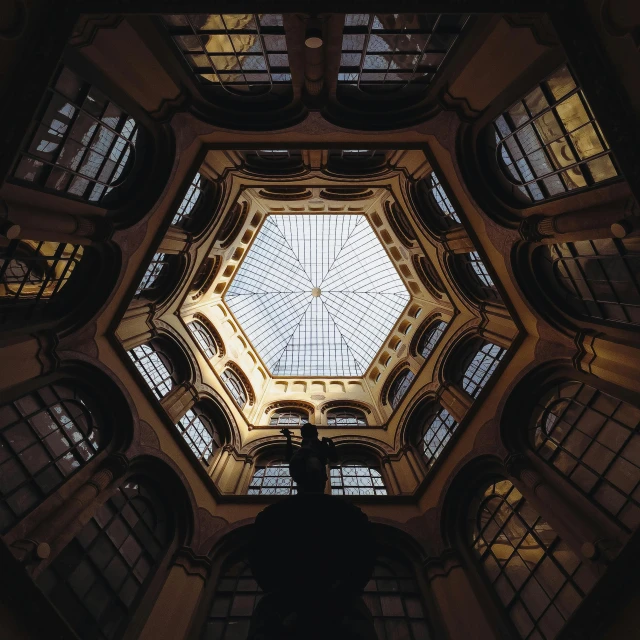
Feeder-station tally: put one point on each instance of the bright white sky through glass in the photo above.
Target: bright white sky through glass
(336, 333)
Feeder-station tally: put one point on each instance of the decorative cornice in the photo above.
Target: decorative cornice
(232, 224)
(245, 380)
(351, 404)
(194, 565)
(88, 26)
(293, 404)
(399, 223)
(213, 332)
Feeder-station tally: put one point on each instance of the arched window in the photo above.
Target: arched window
(592, 438)
(536, 576)
(441, 200)
(481, 363)
(235, 387)
(203, 338)
(236, 597)
(97, 580)
(393, 597)
(437, 430)
(154, 276)
(156, 368)
(83, 144)
(597, 279)
(356, 477)
(345, 417)
(45, 437)
(33, 275)
(200, 433)
(400, 386)
(288, 418)
(272, 479)
(431, 338)
(189, 201)
(476, 276)
(549, 143)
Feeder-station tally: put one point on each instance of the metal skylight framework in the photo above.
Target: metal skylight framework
(317, 295)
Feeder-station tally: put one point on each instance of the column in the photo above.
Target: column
(455, 401)
(179, 401)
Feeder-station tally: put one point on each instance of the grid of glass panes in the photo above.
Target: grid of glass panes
(235, 387)
(393, 597)
(238, 52)
(550, 143)
(481, 368)
(442, 200)
(153, 369)
(45, 436)
(33, 273)
(82, 142)
(236, 597)
(356, 479)
(150, 279)
(475, 262)
(97, 579)
(400, 386)
(594, 440)
(199, 434)
(189, 201)
(436, 433)
(203, 338)
(601, 277)
(288, 418)
(346, 418)
(431, 338)
(392, 50)
(272, 480)
(536, 576)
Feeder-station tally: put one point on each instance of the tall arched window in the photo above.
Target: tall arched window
(346, 417)
(288, 418)
(83, 143)
(97, 580)
(476, 276)
(272, 479)
(156, 367)
(154, 276)
(441, 200)
(203, 338)
(597, 279)
(236, 597)
(436, 432)
(549, 143)
(536, 576)
(45, 437)
(393, 597)
(189, 201)
(430, 338)
(235, 387)
(200, 433)
(478, 366)
(357, 477)
(400, 386)
(593, 439)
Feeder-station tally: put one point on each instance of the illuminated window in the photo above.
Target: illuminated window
(235, 387)
(82, 144)
(390, 51)
(346, 418)
(199, 433)
(45, 437)
(592, 438)
(97, 579)
(356, 478)
(400, 386)
(151, 278)
(272, 479)
(437, 431)
(189, 201)
(481, 368)
(431, 338)
(288, 418)
(238, 52)
(442, 200)
(203, 338)
(549, 143)
(537, 577)
(156, 368)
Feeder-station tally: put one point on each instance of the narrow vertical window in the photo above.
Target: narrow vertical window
(189, 201)
(200, 434)
(203, 338)
(481, 368)
(436, 433)
(235, 387)
(400, 386)
(431, 338)
(154, 274)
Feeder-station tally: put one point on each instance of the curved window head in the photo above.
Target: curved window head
(272, 479)
(83, 144)
(203, 338)
(154, 276)
(594, 440)
(436, 433)
(189, 201)
(200, 433)
(598, 279)
(537, 577)
(288, 418)
(431, 338)
(45, 437)
(400, 386)
(97, 579)
(156, 368)
(549, 143)
(356, 478)
(483, 362)
(235, 387)
(346, 418)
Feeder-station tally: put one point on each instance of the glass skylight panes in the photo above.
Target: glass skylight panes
(317, 295)
(239, 52)
(392, 50)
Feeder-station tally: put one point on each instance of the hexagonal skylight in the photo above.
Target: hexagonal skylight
(317, 295)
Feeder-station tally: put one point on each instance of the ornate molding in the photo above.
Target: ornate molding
(213, 332)
(350, 404)
(88, 26)
(293, 404)
(245, 380)
(398, 221)
(233, 222)
(390, 380)
(193, 564)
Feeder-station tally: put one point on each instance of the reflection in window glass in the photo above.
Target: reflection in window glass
(203, 338)
(536, 576)
(189, 201)
(82, 143)
(356, 479)
(549, 143)
(272, 480)
(288, 418)
(389, 51)
(436, 433)
(346, 418)
(235, 387)
(153, 369)
(431, 338)
(481, 368)
(400, 386)
(238, 52)
(441, 199)
(151, 278)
